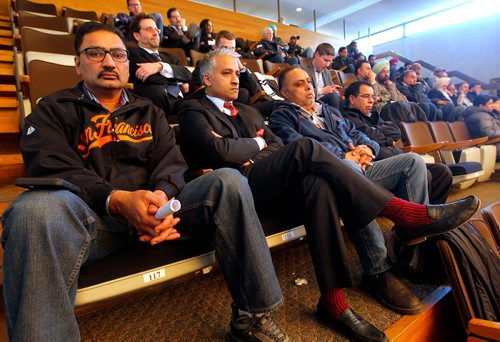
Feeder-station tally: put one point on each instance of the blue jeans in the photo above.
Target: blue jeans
(49, 235)
(405, 175)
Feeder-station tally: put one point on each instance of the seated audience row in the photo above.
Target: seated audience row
(126, 175)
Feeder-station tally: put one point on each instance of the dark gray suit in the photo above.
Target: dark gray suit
(154, 87)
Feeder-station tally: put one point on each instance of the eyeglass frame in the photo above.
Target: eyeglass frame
(105, 52)
(367, 96)
(151, 29)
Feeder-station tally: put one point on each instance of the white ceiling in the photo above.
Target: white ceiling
(360, 16)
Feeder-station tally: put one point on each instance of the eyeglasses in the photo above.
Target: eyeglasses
(151, 29)
(98, 54)
(367, 96)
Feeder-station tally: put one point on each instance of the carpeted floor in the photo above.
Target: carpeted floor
(199, 309)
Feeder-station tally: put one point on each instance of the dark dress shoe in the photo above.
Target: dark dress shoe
(392, 292)
(356, 326)
(447, 217)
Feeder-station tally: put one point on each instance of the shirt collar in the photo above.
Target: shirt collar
(219, 103)
(123, 97)
(148, 50)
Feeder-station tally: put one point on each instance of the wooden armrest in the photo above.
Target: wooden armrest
(493, 140)
(24, 78)
(423, 149)
(275, 71)
(195, 174)
(478, 141)
(343, 68)
(484, 328)
(257, 96)
(264, 55)
(451, 146)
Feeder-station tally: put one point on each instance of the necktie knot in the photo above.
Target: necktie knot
(156, 56)
(232, 109)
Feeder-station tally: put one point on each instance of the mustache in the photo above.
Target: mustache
(108, 71)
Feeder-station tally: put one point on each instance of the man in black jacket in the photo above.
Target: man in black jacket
(120, 151)
(359, 109)
(157, 76)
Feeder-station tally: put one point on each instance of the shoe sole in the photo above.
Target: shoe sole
(421, 239)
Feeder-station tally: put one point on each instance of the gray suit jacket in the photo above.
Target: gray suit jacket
(327, 76)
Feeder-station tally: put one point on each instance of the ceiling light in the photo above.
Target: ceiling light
(299, 9)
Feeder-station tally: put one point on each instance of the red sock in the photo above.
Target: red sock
(408, 214)
(333, 302)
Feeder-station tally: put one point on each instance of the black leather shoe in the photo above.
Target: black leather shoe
(356, 326)
(392, 292)
(448, 216)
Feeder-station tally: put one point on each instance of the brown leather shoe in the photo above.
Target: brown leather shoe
(391, 291)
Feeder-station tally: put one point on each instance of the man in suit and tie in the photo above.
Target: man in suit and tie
(155, 75)
(320, 75)
(305, 176)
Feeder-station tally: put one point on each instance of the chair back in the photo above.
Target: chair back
(33, 39)
(459, 130)
(50, 23)
(177, 52)
(346, 78)
(47, 77)
(254, 65)
(274, 68)
(440, 131)
(25, 5)
(196, 56)
(74, 13)
(491, 215)
(418, 134)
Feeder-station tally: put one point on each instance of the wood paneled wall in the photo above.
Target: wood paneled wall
(241, 25)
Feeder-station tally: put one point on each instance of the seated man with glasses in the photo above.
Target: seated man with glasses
(119, 150)
(156, 75)
(321, 78)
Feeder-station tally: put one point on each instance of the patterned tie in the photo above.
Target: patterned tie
(172, 89)
(232, 109)
(156, 56)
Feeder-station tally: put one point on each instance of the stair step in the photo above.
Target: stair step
(7, 89)
(5, 33)
(9, 120)
(6, 42)
(7, 58)
(8, 102)
(7, 52)
(7, 75)
(11, 167)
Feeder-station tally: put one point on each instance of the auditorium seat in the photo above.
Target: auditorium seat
(461, 150)
(476, 329)
(74, 13)
(418, 134)
(25, 5)
(460, 131)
